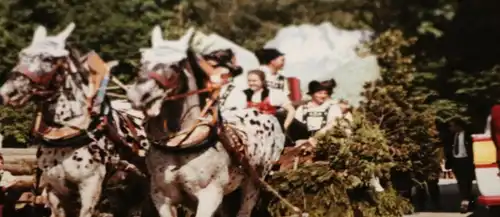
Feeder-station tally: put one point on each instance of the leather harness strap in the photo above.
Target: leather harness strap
(133, 131)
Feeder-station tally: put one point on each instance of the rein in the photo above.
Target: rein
(211, 88)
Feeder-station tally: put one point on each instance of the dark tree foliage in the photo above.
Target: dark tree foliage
(398, 107)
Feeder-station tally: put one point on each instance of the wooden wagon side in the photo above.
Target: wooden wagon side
(19, 198)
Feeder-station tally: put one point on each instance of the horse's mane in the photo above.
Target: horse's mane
(198, 73)
(201, 78)
(76, 58)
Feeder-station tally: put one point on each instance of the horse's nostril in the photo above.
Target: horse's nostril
(145, 96)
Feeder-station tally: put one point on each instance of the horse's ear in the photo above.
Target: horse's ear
(39, 35)
(66, 32)
(199, 65)
(186, 38)
(112, 64)
(156, 36)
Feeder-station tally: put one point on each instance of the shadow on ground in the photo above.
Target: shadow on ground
(450, 205)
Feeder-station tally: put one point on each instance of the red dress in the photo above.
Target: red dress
(263, 106)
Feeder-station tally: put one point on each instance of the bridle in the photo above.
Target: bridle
(172, 83)
(43, 85)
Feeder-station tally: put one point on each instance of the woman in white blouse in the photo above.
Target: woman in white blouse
(320, 114)
(269, 101)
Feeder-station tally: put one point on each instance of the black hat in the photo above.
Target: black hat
(266, 55)
(315, 86)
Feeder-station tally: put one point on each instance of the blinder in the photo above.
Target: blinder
(162, 80)
(41, 78)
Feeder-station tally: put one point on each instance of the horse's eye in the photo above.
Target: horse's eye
(47, 59)
(145, 96)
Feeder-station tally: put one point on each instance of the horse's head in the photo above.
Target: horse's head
(161, 72)
(38, 67)
(226, 59)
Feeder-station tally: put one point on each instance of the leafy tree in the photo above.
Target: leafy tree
(15, 125)
(398, 107)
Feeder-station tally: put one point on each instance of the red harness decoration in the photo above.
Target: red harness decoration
(264, 106)
(41, 79)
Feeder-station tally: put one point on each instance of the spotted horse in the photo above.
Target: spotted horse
(79, 135)
(188, 160)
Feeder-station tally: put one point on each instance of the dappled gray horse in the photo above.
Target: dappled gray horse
(187, 161)
(75, 143)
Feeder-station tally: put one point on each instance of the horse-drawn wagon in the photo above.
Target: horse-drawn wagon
(17, 193)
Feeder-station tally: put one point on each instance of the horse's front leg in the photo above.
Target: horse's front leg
(209, 199)
(54, 202)
(163, 199)
(90, 192)
(250, 195)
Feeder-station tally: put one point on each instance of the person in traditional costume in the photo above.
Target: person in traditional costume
(271, 62)
(269, 101)
(320, 114)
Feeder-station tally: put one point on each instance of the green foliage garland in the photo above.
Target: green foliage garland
(336, 184)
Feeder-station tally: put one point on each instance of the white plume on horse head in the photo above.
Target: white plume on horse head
(112, 64)
(157, 40)
(187, 37)
(156, 36)
(39, 35)
(51, 45)
(62, 36)
(166, 51)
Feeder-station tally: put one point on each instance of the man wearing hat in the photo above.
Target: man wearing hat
(272, 61)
